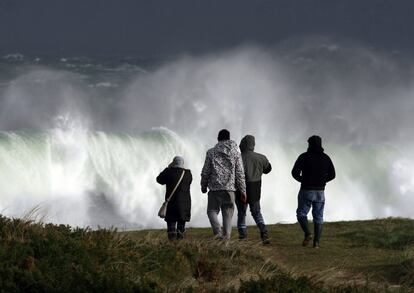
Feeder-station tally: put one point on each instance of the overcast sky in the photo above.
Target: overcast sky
(152, 27)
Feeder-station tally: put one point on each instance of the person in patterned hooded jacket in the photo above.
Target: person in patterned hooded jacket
(223, 174)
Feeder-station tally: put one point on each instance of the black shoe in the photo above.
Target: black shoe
(263, 233)
(307, 240)
(242, 234)
(265, 239)
(316, 244)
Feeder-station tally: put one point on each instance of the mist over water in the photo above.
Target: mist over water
(84, 139)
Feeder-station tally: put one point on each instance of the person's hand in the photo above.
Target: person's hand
(243, 198)
(204, 189)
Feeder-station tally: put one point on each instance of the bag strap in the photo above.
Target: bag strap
(176, 186)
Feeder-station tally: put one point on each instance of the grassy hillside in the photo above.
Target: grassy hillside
(363, 256)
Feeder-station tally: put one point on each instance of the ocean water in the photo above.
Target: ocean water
(82, 139)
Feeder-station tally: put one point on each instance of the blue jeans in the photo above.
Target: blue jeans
(256, 214)
(308, 199)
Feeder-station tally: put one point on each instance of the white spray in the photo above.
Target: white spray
(88, 155)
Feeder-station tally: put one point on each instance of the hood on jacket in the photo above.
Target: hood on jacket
(247, 143)
(315, 144)
(177, 162)
(227, 147)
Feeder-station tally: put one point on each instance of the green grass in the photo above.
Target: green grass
(358, 256)
(386, 233)
(376, 251)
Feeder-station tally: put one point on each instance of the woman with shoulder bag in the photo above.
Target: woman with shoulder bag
(177, 197)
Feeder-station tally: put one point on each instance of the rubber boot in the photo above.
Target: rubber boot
(318, 232)
(242, 233)
(303, 222)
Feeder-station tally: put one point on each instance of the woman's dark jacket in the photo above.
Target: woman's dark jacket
(179, 207)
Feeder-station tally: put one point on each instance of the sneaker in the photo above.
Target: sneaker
(307, 240)
(316, 244)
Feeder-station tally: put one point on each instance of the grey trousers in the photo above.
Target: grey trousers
(221, 200)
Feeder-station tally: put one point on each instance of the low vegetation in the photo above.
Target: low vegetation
(363, 256)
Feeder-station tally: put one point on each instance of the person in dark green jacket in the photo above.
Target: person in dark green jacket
(255, 165)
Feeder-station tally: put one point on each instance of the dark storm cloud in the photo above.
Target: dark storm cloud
(113, 27)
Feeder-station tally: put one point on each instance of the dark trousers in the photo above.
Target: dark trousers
(175, 230)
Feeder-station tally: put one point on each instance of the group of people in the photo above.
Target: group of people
(232, 176)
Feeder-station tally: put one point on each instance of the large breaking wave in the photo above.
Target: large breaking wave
(85, 143)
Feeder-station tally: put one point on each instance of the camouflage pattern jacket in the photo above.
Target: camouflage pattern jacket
(223, 168)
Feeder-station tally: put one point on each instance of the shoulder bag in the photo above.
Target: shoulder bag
(163, 210)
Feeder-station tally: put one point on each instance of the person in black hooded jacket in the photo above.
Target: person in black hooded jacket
(179, 207)
(255, 165)
(313, 169)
